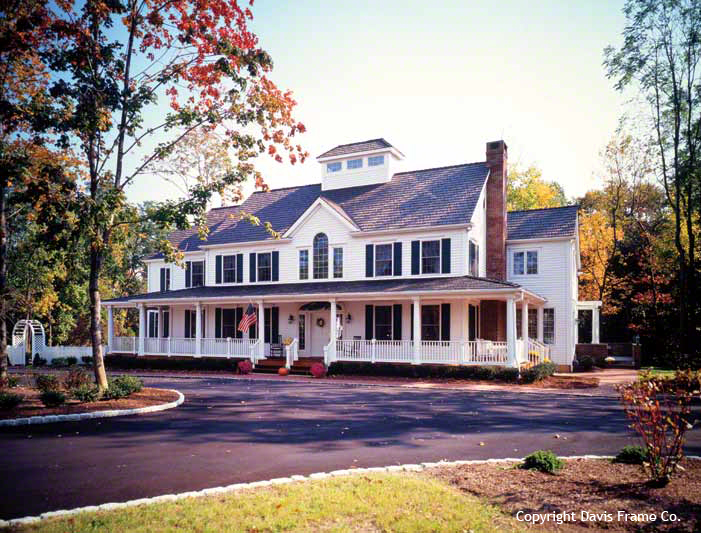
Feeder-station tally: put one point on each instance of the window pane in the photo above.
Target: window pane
(333, 167)
(302, 333)
(376, 160)
(264, 268)
(354, 163)
(304, 264)
(338, 262)
(228, 323)
(383, 322)
(532, 262)
(474, 259)
(549, 326)
(383, 260)
(321, 256)
(519, 317)
(153, 324)
(533, 323)
(430, 323)
(229, 268)
(430, 257)
(518, 263)
(197, 273)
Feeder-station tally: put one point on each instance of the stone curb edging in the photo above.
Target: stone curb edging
(49, 419)
(275, 481)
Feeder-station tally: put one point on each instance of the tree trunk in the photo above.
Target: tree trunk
(3, 281)
(96, 320)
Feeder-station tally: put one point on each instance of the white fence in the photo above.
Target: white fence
(17, 353)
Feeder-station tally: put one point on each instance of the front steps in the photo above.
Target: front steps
(271, 365)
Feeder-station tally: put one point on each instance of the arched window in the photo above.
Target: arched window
(320, 264)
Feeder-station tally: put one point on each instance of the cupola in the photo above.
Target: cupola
(361, 163)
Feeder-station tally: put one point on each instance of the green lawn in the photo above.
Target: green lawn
(369, 503)
(656, 371)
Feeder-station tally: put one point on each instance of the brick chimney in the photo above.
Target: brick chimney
(496, 210)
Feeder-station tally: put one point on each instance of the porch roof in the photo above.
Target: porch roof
(458, 285)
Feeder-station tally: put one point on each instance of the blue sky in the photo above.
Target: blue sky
(440, 79)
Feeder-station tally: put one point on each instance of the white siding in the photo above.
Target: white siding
(478, 233)
(366, 175)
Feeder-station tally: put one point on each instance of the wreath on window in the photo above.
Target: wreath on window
(320, 322)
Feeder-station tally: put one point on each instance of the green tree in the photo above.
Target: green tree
(526, 189)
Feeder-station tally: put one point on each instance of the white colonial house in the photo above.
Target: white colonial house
(420, 267)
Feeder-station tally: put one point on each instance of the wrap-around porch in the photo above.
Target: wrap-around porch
(424, 329)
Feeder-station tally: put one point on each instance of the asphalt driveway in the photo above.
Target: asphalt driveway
(230, 431)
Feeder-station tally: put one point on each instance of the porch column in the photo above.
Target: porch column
(198, 329)
(540, 324)
(110, 329)
(261, 328)
(524, 328)
(417, 331)
(595, 325)
(142, 329)
(511, 332)
(332, 330)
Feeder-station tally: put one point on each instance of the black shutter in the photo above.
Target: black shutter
(397, 259)
(445, 322)
(188, 274)
(411, 312)
(369, 322)
(187, 323)
(397, 322)
(415, 257)
(369, 260)
(217, 319)
(252, 269)
(239, 268)
(239, 316)
(276, 266)
(445, 256)
(163, 279)
(266, 330)
(218, 265)
(275, 326)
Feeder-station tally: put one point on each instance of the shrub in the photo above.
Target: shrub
(122, 387)
(52, 398)
(170, 363)
(86, 360)
(59, 362)
(38, 360)
(538, 372)
(659, 415)
(423, 371)
(317, 370)
(46, 382)
(585, 363)
(10, 383)
(544, 461)
(70, 361)
(8, 400)
(76, 377)
(631, 455)
(245, 367)
(86, 393)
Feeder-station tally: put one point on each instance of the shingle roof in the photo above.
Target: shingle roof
(309, 289)
(363, 146)
(431, 197)
(542, 223)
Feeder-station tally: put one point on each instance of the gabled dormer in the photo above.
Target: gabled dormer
(362, 163)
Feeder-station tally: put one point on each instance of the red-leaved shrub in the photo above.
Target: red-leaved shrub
(318, 370)
(245, 367)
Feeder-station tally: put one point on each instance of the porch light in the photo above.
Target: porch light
(290, 319)
(348, 318)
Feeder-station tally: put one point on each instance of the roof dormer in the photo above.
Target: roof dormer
(355, 164)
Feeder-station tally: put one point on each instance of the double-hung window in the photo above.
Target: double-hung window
(333, 167)
(153, 323)
(165, 279)
(430, 257)
(549, 326)
(320, 257)
(525, 262)
(338, 262)
(376, 160)
(383, 259)
(474, 259)
(431, 322)
(265, 268)
(191, 323)
(354, 163)
(304, 264)
(229, 268)
(195, 276)
(383, 322)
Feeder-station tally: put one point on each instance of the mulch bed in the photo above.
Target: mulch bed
(32, 406)
(594, 486)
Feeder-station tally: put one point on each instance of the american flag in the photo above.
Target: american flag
(248, 319)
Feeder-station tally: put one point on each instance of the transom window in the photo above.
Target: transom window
(333, 167)
(265, 269)
(383, 260)
(549, 326)
(376, 160)
(196, 273)
(338, 262)
(525, 262)
(430, 257)
(354, 163)
(304, 264)
(321, 256)
(229, 268)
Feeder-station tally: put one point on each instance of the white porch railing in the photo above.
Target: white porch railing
(123, 344)
(537, 351)
(291, 353)
(179, 346)
(254, 350)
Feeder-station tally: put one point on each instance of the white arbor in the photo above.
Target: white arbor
(26, 331)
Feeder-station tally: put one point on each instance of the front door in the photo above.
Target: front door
(318, 332)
